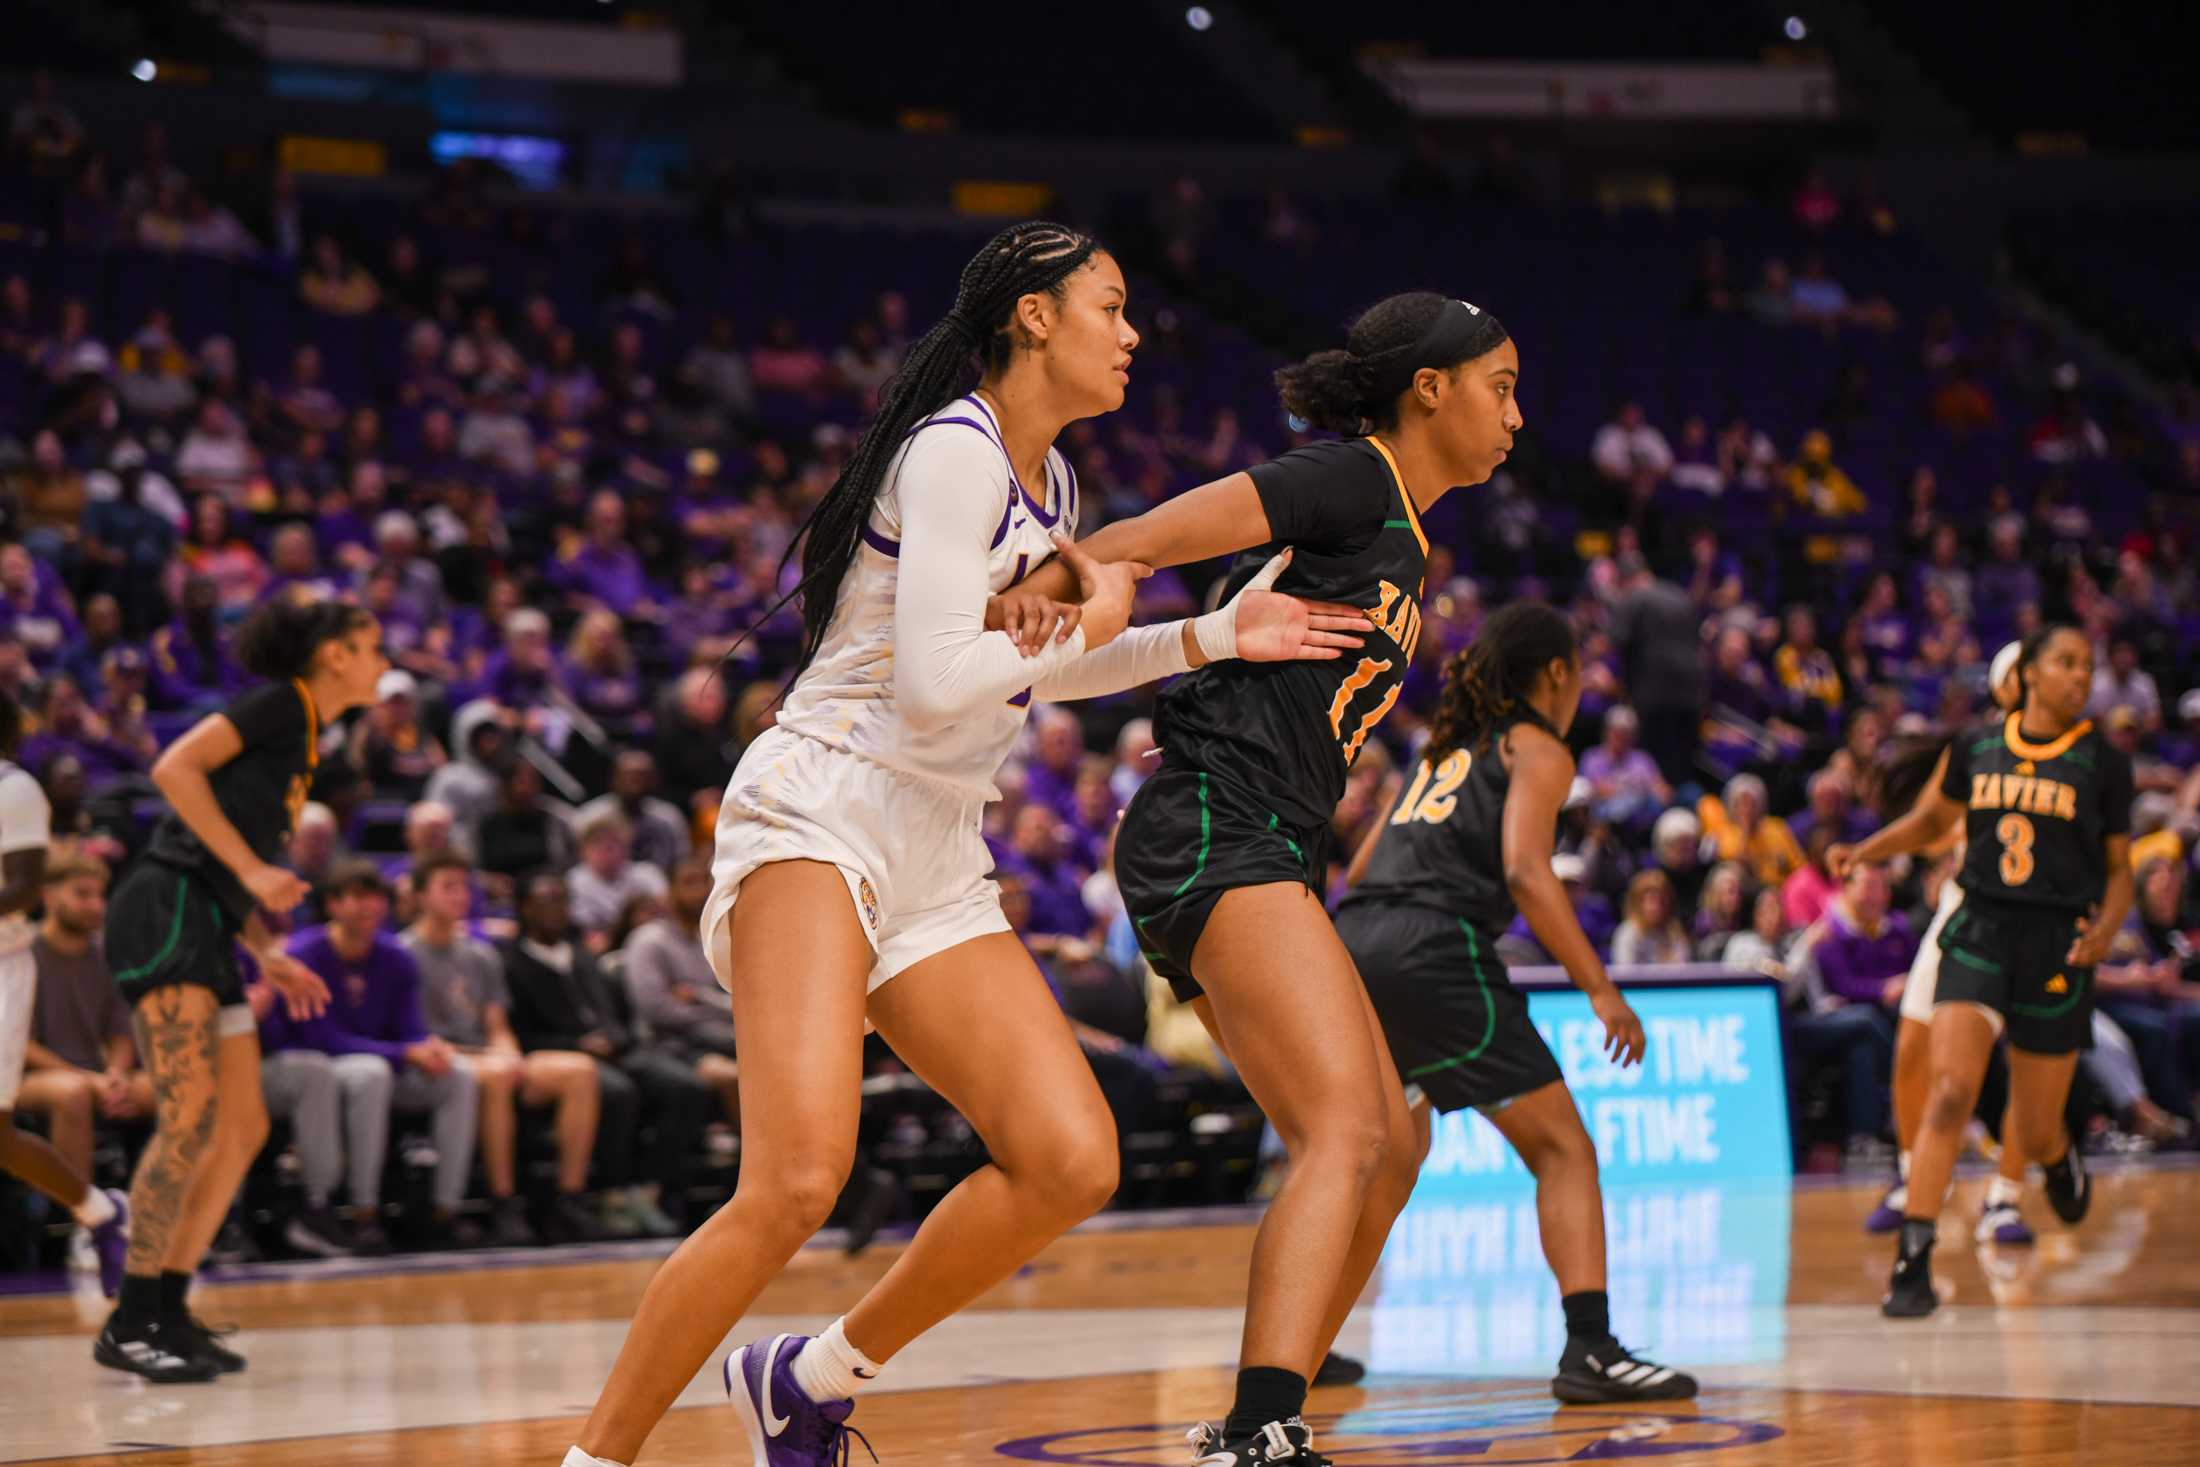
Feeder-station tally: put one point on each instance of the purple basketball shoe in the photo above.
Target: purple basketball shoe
(111, 1241)
(786, 1428)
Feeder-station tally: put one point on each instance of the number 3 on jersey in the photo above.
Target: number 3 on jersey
(1433, 800)
(2016, 836)
(1366, 673)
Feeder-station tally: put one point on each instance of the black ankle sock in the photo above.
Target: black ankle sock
(1588, 1316)
(139, 1302)
(1917, 1235)
(1265, 1393)
(174, 1285)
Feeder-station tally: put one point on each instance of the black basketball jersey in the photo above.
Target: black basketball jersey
(1290, 730)
(1443, 845)
(261, 790)
(2038, 813)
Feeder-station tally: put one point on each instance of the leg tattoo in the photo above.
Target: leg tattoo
(176, 1033)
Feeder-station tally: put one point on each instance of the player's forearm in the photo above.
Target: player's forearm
(1551, 918)
(2115, 899)
(1919, 828)
(191, 794)
(1139, 656)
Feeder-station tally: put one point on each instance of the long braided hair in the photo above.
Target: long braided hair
(1024, 259)
(1496, 674)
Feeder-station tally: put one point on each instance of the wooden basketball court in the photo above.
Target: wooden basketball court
(2085, 1347)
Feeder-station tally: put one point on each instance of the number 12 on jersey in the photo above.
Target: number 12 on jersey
(1434, 793)
(1366, 673)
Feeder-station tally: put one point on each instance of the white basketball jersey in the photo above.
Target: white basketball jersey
(25, 825)
(846, 696)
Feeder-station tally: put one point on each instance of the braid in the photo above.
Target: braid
(1496, 673)
(1021, 260)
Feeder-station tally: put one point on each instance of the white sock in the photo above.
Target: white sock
(1902, 1164)
(2001, 1190)
(831, 1369)
(96, 1210)
(579, 1458)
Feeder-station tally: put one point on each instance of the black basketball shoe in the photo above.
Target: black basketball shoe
(2069, 1190)
(1593, 1374)
(1339, 1370)
(152, 1350)
(1910, 1291)
(1278, 1441)
(205, 1342)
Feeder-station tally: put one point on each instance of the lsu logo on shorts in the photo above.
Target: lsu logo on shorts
(870, 902)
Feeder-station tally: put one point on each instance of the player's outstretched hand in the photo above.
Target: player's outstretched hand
(1624, 1041)
(1840, 860)
(1273, 627)
(1031, 620)
(1104, 590)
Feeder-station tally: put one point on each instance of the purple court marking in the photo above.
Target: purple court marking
(1429, 1436)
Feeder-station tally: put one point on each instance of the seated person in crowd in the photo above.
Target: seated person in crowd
(462, 991)
(1739, 829)
(660, 829)
(607, 878)
(676, 993)
(82, 1067)
(1853, 967)
(525, 832)
(562, 1000)
(1651, 932)
(1624, 781)
(338, 1077)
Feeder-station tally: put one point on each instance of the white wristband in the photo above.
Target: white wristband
(1216, 632)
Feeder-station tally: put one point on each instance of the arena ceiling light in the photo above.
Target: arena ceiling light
(145, 70)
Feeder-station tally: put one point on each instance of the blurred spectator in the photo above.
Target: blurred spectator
(49, 502)
(1134, 759)
(660, 829)
(390, 748)
(468, 1006)
(1650, 932)
(784, 363)
(470, 786)
(82, 1066)
(1764, 945)
(608, 877)
(1747, 457)
(675, 992)
(1817, 485)
(719, 369)
(562, 1001)
(1660, 642)
(523, 833)
(1959, 406)
(43, 127)
(1624, 780)
(602, 568)
(1630, 453)
(1738, 828)
(1676, 849)
(693, 748)
(1814, 204)
(2121, 682)
(374, 1043)
(1039, 853)
(1859, 958)
(1945, 571)
(1805, 895)
(216, 458)
(601, 675)
(334, 284)
(1806, 670)
(1723, 911)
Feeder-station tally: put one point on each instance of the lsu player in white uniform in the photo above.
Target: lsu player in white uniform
(2000, 1221)
(851, 879)
(25, 825)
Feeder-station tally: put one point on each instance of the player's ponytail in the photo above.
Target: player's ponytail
(1357, 390)
(279, 640)
(1024, 259)
(1496, 673)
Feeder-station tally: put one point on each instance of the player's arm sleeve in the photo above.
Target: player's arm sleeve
(946, 664)
(26, 820)
(2117, 793)
(1319, 494)
(1140, 655)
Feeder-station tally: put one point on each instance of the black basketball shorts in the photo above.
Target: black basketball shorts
(2008, 957)
(165, 927)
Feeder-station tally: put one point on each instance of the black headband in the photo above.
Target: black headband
(1460, 333)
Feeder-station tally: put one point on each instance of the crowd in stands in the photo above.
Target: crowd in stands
(564, 516)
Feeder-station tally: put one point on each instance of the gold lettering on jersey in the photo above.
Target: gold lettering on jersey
(1397, 616)
(2034, 795)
